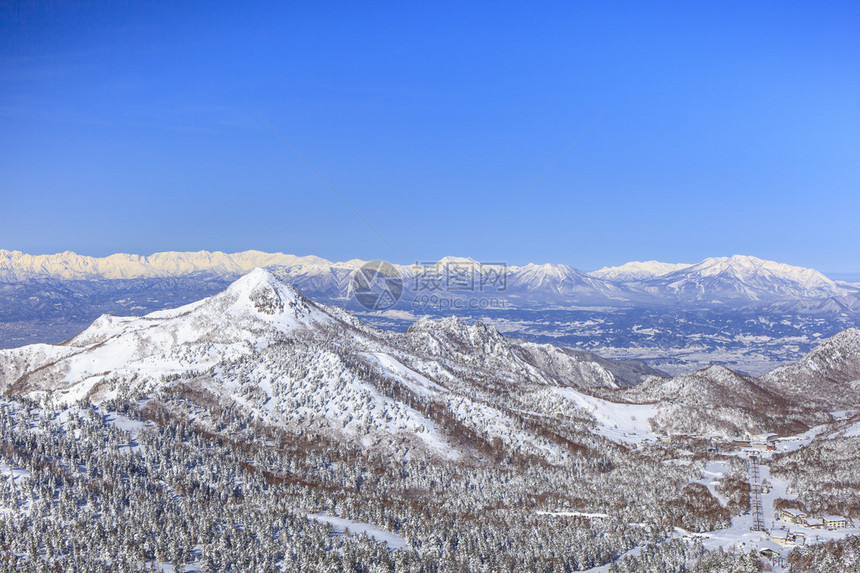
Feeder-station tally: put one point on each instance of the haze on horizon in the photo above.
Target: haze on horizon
(696, 131)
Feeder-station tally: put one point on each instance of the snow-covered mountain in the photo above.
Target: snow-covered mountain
(828, 376)
(241, 420)
(263, 347)
(251, 313)
(16, 266)
(716, 400)
(740, 311)
(637, 271)
(743, 278)
(245, 418)
(738, 278)
(786, 400)
(721, 279)
(535, 286)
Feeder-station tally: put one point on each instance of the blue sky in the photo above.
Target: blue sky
(723, 128)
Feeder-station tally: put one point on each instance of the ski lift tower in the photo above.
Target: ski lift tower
(756, 510)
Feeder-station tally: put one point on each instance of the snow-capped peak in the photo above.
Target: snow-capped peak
(261, 292)
(638, 270)
(749, 278)
(256, 307)
(748, 267)
(456, 260)
(546, 271)
(534, 276)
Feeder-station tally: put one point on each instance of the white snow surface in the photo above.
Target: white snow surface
(638, 270)
(619, 422)
(341, 525)
(852, 431)
(416, 382)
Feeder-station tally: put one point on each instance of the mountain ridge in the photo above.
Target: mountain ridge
(713, 280)
(17, 265)
(742, 311)
(234, 346)
(638, 270)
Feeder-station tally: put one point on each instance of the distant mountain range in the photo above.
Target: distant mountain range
(738, 311)
(16, 266)
(720, 280)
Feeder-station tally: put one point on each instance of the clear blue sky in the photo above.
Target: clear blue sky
(724, 128)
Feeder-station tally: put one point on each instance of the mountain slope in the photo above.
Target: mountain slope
(786, 400)
(718, 401)
(745, 279)
(262, 347)
(560, 284)
(252, 311)
(828, 376)
(637, 270)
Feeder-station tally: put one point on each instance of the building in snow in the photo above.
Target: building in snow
(787, 538)
(792, 515)
(834, 522)
(763, 446)
(768, 553)
(813, 522)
